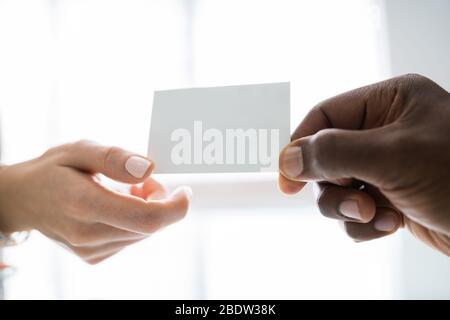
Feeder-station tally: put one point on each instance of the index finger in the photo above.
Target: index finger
(364, 108)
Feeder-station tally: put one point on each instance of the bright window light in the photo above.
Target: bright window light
(88, 68)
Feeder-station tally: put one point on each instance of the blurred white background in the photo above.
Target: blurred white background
(88, 69)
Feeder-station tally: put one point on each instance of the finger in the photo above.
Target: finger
(150, 189)
(136, 190)
(90, 254)
(88, 235)
(288, 186)
(363, 108)
(379, 198)
(137, 215)
(345, 203)
(114, 162)
(385, 222)
(333, 154)
(359, 109)
(103, 258)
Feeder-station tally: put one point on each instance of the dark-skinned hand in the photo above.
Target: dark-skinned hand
(380, 156)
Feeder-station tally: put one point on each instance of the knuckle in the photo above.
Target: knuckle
(323, 142)
(318, 111)
(320, 107)
(415, 82)
(323, 202)
(76, 146)
(64, 151)
(110, 156)
(50, 152)
(58, 152)
(416, 78)
(354, 232)
(79, 146)
(323, 149)
(81, 143)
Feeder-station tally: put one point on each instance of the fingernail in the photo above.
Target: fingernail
(137, 166)
(291, 162)
(187, 191)
(350, 209)
(385, 223)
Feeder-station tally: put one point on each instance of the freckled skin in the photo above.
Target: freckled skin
(392, 139)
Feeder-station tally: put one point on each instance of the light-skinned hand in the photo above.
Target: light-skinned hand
(59, 195)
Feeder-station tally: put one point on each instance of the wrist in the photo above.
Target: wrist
(9, 206)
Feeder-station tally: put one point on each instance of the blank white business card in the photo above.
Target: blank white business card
(220, 129)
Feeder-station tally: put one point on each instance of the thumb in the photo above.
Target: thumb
(333, 154)
(113, 162)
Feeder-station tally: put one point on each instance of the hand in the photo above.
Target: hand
(59, 195)
(380, 156)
